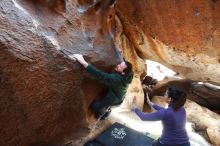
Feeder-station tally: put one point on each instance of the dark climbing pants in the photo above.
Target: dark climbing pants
(158, 143)
(100, 106)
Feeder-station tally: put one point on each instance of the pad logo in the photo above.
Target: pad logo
(118, 133)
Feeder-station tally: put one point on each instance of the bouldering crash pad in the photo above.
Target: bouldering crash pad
(120, 135)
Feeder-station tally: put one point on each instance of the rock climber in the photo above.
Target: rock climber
(173, 119)
(117, 83)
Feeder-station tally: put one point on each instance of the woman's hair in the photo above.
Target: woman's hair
(178, 98)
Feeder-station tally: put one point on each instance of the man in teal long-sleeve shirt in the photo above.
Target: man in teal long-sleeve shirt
(117, 83)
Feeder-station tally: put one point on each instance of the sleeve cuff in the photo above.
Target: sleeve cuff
(136, 110)
(152, 104)
(90, 68)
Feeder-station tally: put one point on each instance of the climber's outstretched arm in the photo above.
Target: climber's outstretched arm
(105, 78)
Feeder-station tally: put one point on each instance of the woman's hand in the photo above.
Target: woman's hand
(134, 103)
(148, 99)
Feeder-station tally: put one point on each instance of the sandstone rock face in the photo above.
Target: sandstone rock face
(45, 96)
(183, 35)
(206, 95)
(205, 121)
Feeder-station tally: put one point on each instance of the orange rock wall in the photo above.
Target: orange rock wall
(183, 35)
(45, 96)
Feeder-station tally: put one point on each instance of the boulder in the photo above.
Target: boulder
(44, 95)
(182, 35)
(206, 122)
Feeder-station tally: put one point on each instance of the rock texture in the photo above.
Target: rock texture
(206, 122)
(45, 96)
(207, 95)
(183, 35)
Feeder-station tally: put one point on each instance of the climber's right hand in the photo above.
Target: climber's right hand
(79, 58)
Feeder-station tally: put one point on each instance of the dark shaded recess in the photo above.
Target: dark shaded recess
(97, 6)
(214, 1)
(111, 2)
